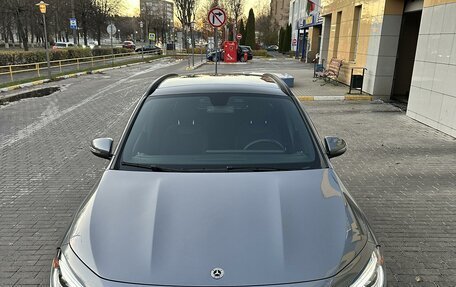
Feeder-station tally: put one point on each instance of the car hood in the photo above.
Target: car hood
(174, 228)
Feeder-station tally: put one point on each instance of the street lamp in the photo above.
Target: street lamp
(42, 6)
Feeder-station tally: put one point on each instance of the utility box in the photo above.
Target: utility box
(230, 49)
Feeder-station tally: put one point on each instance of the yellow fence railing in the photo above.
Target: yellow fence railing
(38, 69)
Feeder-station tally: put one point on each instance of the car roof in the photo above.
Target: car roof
(222, 83)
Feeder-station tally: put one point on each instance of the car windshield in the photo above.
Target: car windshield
(220, 132)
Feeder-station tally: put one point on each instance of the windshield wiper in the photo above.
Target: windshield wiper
(254, 168)
(151, 167)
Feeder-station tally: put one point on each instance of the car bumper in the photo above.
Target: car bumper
(76, 272)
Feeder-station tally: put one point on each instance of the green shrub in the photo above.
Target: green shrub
(107, 51)
(78, 53)
(22, 57)
(198, 50)
(58, 54)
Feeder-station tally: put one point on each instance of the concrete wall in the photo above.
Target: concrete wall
(432, 97)
(377, 42)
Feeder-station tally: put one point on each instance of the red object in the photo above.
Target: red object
(239, 36)
(294, 42)
(310, 6)
(230, 49)
(246, 57)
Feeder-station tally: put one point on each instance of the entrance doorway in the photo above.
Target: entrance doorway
(408, 39)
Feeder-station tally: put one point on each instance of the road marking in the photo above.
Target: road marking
(36, 126)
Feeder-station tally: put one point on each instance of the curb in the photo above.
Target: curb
(25, 85)
(334, 98)
(195, 67)
(72, 75)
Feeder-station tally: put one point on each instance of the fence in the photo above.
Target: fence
(37, 69)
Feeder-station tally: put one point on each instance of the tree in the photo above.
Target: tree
(250, 30)
(242, 32)
(266, 32)
(185, 14)
(281, 39)
(287, 39)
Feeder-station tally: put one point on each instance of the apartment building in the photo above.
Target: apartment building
(279, 12)
(306, 24)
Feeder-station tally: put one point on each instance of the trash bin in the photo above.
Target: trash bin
(356, 79)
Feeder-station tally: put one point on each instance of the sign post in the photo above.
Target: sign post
(217, 18)
(42, 7)
(111, 31)
(239, 37)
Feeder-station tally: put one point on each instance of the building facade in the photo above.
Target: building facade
(306, 25)
(158, 17)
(279, 12)
(432, 97)
(408, 48)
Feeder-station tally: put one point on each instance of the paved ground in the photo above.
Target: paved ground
(401, 172)
(304, 84)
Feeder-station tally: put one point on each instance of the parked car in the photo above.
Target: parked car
(128, 45)
(210, 55)
(249, 51)
(93, 44)
(63, 45)
(219, 181)
(152, 49)
(272, 48)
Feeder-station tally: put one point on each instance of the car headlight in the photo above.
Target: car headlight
(373, 274)
(61, 273)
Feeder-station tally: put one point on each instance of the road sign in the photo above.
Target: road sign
(152, 36)
(216, 17)
(73, 24)
(111, 29)
(294, 42)
(239, 36)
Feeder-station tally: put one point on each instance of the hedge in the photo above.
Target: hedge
(22, 57)
(198, 50)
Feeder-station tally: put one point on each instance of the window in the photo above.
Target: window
(355, 33)
(217, 131)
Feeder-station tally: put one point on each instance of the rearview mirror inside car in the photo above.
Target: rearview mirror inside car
(335, 146)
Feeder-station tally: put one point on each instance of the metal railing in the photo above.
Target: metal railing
(36, 69)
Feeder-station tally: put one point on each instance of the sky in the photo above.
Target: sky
(132, 6)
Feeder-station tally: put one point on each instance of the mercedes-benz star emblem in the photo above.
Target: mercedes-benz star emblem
(217, 273)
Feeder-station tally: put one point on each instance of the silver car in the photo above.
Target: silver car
(219, 181)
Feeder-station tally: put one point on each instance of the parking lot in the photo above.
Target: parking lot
(402, 173)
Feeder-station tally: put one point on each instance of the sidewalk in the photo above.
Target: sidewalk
(308, 88)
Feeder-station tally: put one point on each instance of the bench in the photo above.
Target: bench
(331, 73)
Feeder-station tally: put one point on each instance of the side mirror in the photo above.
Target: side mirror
(102, 147)
(335, 146)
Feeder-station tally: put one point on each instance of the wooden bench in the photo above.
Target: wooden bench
(332, 72)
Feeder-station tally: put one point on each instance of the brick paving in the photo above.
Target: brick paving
(403, 175)
(401, 172)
